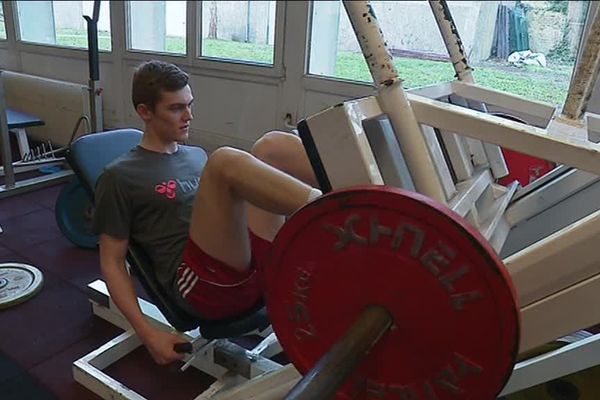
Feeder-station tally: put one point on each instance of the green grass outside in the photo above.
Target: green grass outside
(543, 84)
(77, 38)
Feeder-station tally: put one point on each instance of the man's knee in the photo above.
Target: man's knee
(224, 162)
(275, 146)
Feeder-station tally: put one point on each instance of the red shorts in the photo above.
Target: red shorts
(215, 290)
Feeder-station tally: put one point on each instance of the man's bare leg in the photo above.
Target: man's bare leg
(231, 177)
(285, 152)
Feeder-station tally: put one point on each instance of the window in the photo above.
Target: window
(239, 30)
(2, 25)
(61, 23)
(527, 48)
(158, 26)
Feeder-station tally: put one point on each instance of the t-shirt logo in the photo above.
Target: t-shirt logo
(167, 188)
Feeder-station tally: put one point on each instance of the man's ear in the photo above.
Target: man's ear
(144, 111)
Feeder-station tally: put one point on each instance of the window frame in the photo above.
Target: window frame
(4, 13)
(127, 35)
(241, 66)
(49, 48)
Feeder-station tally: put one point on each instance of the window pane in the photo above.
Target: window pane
(548, 32)
(61, 23)
(158, 26)
(2, 26)
(239, 30)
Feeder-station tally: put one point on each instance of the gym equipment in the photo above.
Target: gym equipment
(482, 153)
(73, 212)
(18, 283)
(448, 296)
(555, 279)
(94, 85)
(11, 186)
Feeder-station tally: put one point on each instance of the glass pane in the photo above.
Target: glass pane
(158, 26)
(61, 23)
(2, 26)
(530, 48)
(239, 30)
(546, 32)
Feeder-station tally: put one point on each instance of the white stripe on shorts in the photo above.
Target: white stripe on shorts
(188, 278)
(190, 287)
(183, 276)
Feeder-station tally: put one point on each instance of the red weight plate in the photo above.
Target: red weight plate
(456, 321)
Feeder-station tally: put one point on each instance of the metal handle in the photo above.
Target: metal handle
(331, 371)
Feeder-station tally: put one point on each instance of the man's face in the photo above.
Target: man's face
(172, 115)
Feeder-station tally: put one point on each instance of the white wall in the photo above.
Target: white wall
(410, 25)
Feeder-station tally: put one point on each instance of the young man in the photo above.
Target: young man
(206, 235)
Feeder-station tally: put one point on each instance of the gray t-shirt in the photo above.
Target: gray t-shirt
(147, 197)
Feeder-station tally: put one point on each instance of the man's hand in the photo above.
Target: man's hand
(160, 345)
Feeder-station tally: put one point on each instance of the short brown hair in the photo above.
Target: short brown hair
(152, 77)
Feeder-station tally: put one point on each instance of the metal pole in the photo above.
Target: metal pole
(332, 370)
(452, 40)
(94, 85)
(464, 73)
(392, 99)
(9, 174)
(585, 76)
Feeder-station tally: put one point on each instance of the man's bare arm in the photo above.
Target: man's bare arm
(113, 252)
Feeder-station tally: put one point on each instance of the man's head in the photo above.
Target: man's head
(162, 98)
(153, 77)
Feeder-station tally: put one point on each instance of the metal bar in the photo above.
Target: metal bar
(464, 73)
(509, 101)
(9, 175)
(235, 358)
(552, 193)
(469, 192)
(270, 386)
(330, 372)
(452, 40)
(88, 370)
(392, 98)
(513, 135)
(567, 360)
(94, 86)
(27, 185)
(583, 82)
